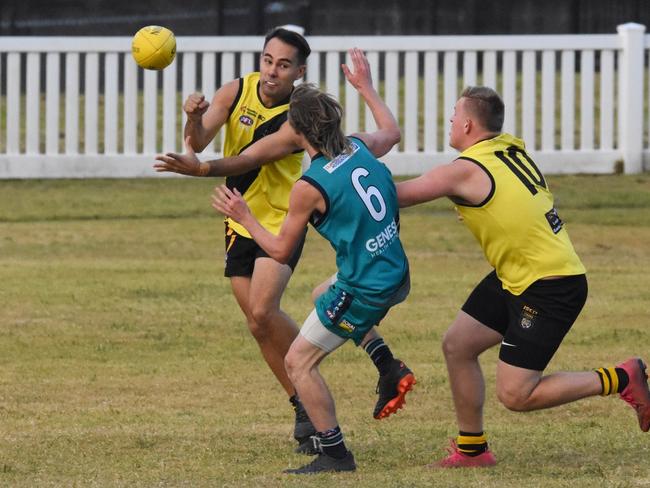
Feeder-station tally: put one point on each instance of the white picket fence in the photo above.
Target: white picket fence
(80, 107)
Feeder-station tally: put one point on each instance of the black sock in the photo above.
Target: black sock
(471, 443)
(380, 354)
(295, 402)
(623, 379)
(331, 442)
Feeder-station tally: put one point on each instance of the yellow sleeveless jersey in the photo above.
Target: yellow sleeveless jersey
(517, 225)
(265, 189)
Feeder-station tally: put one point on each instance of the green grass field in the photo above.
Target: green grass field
(125, 361)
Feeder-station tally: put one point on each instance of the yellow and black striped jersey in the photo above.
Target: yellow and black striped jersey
(265, 189)
(517, 225)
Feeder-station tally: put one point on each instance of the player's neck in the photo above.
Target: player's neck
(311, 151)
(475, 139)
(301, 141)
(270, 101)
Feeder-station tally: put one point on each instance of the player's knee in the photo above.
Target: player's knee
(513, 398)
(262, 315)
(451, 346)
(292, 365)
(259, 331)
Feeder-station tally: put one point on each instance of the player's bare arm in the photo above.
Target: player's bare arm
(461, 179)
(204, 119)
(267, 150)
(388, 133)
(303, 201)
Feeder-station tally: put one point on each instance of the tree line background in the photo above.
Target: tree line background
(330, 17)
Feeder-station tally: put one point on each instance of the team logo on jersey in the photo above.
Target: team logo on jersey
(528, 316)
(346, 326)
(339, 160)
(246, 120)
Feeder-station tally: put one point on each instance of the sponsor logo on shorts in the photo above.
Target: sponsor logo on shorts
(346, 326)
(337, 304)
(528, 316)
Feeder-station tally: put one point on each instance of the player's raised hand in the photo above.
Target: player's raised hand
(360, 78)
(184, 164)
(195, 105)
(230, 203)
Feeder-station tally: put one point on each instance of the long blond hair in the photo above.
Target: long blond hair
(317, 115)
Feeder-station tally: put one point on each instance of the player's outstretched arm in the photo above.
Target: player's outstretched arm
(268, 149)
(462, 179)
(188, 164)
(388, 133)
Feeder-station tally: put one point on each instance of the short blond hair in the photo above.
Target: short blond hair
(486, 105)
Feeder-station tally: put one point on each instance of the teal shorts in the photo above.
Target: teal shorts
(351, 318)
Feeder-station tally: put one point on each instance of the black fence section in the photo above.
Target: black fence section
(320, 17)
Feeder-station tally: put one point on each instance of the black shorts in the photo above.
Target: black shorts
(532, 324)
(241, 253)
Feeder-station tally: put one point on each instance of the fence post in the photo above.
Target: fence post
(630, 122)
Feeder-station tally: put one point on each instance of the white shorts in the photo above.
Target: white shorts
(318, 335)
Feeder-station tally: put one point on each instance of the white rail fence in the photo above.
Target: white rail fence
(80, 107)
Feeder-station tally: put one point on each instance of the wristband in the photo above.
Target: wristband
(204, 169)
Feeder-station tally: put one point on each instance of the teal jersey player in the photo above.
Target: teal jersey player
(361, 222)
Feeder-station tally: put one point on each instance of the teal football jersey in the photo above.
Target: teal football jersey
(361, 222)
